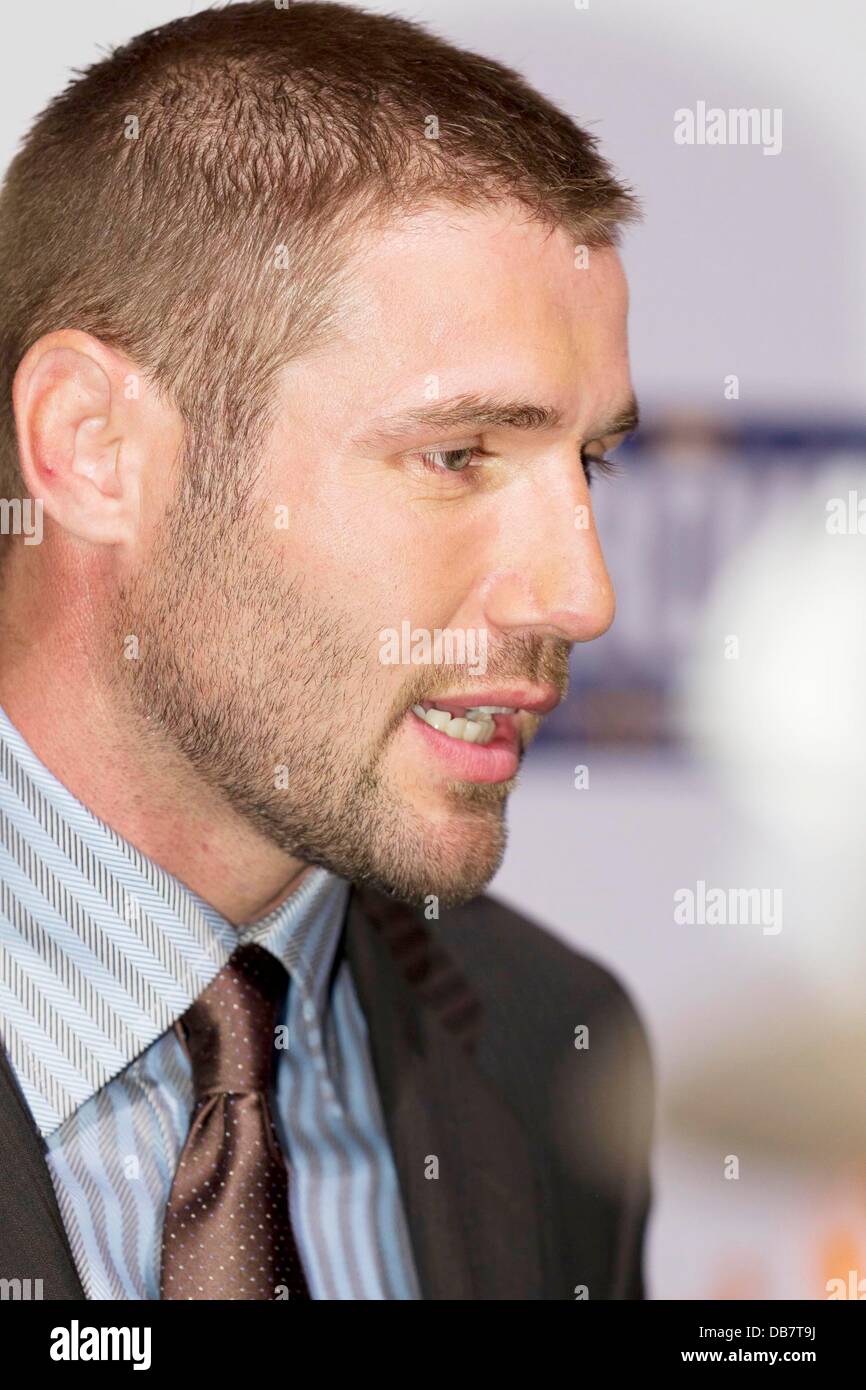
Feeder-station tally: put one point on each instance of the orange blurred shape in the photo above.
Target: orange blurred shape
(840, 1253)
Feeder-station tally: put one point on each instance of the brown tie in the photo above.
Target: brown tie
(227, 1232)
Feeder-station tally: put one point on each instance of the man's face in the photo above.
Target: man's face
(286, 650)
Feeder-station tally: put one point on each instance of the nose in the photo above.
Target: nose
(549, 576)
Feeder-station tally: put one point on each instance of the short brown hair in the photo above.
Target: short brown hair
(154, 199)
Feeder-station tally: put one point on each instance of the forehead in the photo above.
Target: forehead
(478, 300)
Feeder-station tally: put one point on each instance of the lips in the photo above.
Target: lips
(459, 760)
(535, 699)
(475, 735)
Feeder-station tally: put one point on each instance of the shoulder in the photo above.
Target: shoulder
(537, 1014)
(518, 965)
(560, 1033)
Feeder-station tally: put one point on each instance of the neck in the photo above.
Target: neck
(88, 736)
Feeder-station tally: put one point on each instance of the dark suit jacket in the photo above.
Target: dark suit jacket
(523, 1160)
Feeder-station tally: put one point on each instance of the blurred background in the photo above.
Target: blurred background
(715, 735)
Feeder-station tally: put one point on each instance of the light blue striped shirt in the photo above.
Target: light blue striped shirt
(101, 951)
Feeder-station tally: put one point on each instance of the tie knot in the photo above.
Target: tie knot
(229, 1029)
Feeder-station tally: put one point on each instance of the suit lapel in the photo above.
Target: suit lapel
(474, 1228)
(33, 1243)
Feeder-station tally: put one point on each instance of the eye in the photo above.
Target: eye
(450, 460)
(595, 465)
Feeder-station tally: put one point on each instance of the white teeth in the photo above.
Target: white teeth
(489, 709)
(476, 730)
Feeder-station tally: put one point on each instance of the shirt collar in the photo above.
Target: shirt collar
(101, 949)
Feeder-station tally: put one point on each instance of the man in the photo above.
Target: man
(313, 331)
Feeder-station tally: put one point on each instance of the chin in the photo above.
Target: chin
(452, 868)
(431, 897)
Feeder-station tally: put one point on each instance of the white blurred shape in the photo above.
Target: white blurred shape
(783, 721)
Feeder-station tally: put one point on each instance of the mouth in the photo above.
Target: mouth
(468, 724)
(478, 739)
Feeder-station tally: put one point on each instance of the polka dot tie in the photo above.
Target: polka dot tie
(227, 1232)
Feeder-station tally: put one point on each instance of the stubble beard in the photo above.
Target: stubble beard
(264, 695)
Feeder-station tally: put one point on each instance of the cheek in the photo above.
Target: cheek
(366, 552)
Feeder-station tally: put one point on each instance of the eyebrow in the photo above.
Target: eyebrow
(484, 412)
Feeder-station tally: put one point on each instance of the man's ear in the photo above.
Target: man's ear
(77, 440)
